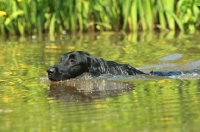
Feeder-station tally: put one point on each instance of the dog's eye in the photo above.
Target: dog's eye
(71, 61)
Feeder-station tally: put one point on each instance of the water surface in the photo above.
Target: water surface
(29, 102)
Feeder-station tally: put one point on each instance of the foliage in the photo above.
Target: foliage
(20, 17)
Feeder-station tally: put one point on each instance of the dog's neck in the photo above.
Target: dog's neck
(100, 66)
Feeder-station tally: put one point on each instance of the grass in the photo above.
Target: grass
(31, 17)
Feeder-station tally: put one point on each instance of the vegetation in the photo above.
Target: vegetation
(20, 17)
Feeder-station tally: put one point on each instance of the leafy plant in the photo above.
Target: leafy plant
(30, 17)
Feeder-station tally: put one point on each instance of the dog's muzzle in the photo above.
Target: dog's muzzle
(52, 70)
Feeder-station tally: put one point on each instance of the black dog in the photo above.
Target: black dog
(75, 63)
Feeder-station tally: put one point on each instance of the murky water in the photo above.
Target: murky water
(29, 102)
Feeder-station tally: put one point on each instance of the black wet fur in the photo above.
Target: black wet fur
(75, 63)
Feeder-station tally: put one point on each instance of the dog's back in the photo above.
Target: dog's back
(101, 66)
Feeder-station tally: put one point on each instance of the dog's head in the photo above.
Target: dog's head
(71, 65)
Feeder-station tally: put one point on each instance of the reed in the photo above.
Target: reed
(31, 17)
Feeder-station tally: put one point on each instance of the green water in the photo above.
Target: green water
(27, 102)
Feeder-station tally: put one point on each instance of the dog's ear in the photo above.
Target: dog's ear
(88, 61)
(92, 62)
(97, 66)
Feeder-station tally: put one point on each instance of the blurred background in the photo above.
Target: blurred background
(32, 17)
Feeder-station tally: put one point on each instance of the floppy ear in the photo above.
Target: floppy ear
(90, 61)
(96, 66)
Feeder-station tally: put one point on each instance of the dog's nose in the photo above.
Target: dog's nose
(51, 70)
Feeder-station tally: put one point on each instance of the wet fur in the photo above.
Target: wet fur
(75, 63)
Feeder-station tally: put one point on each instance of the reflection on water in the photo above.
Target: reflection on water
(107, 103)
(86, 87)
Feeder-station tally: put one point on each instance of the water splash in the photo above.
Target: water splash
(86, 87)
(87, 83)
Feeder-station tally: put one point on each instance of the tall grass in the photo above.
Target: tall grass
(28, 17)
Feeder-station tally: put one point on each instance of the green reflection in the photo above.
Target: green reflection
(154, 105)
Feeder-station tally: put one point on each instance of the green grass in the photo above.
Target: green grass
(37, 17)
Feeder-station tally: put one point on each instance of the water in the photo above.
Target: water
(29, 102)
